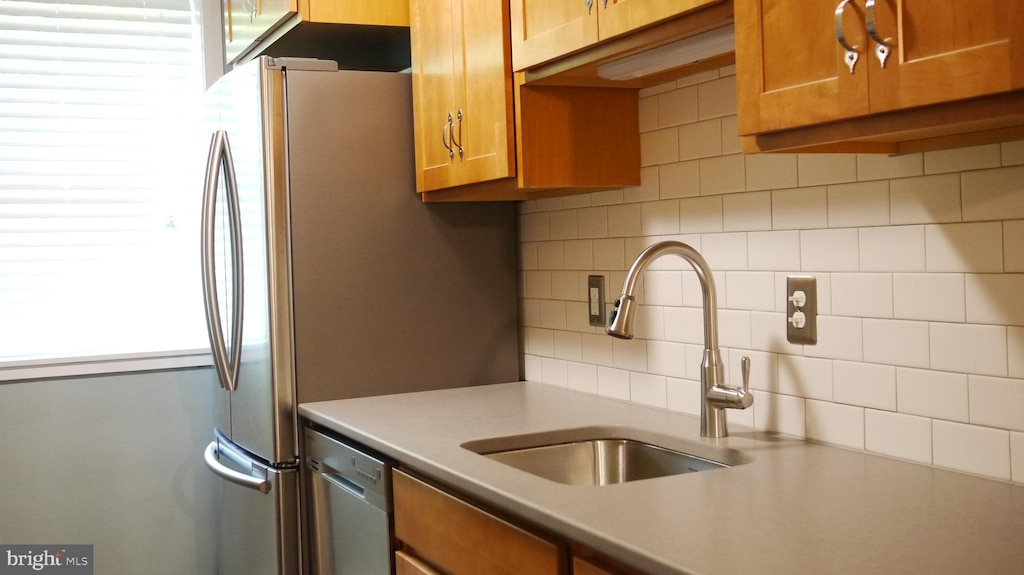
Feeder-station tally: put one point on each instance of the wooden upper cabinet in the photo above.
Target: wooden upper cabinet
(462, 93)
(543, 30)
(793, 73)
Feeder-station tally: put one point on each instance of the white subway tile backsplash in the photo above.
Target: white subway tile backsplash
(916, 257)
(659, 147)
(624, 220)
(771, 171)
(684, 395)
(568, 345)
(931, 297)
(659, 218)
(864, 384)
(997, 402)
(892, 249)
(800, 209)
(551, 314)
(961, 159)
(858, 204)
(926, 200)
(666, 358)
(975, 247)
(554, 372)
(751, 290)
(881, 167)
(722, 175)
(592, 222)
(805, 377)
(648, 389)
(768, 333)
(677, 107)
(823, 169)
(536, 227)
(1017, 456)
(935, 394)
(895, 342)
(648, 189)
(748, 211)
(550, 256)
(966, 348)
(898, 435)
(726, 251)
(700, 215)
(830, 250)
(630, 354)
(679, 180)
(597, 349)
(1013, 245)
(862, 295)
(972, 449)
(609, 254)
(995, 298)
(993, 194)
(684, 324)
(613, 383)
(773, 250)
(582, 377)
(834, 423)
(780, 413)
(578, 254)
(717, 97)
(700, 139)
(838, 338)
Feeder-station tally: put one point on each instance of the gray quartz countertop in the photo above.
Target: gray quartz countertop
(792, 507)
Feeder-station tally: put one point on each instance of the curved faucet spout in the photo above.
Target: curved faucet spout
(716, 396)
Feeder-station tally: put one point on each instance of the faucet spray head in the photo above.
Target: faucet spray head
(620, 322)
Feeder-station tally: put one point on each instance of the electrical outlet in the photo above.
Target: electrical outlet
(802, 309)
(595, 299)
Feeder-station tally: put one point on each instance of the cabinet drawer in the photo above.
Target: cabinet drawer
(460, 539)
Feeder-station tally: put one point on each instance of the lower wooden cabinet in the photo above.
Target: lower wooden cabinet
(445, 533)
(408, 565)
(581, 566)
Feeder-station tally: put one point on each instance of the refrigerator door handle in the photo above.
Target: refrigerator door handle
(258, 483)
(226, 363)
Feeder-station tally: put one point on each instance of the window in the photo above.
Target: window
(100, 184)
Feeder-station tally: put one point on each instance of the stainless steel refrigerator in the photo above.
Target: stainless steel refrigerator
(325, 277)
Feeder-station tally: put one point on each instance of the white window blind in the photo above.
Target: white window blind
(100, 177)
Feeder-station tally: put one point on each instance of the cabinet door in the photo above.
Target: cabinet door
(546, 29)
(432, 38)
(483, 130)
(409, 565)
(239, 31)
(621, 16)
(946, 50)
(790, 67)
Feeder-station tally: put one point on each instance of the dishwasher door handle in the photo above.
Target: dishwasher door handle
(261, 484)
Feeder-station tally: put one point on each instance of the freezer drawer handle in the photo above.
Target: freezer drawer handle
(259, 484)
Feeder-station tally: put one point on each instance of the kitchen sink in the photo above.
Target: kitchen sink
(607, 459)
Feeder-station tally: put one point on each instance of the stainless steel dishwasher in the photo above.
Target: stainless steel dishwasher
(350, 508)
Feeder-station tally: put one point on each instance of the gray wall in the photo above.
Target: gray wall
(112, 461)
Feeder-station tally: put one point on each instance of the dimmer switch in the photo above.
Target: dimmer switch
(802, 309)
(595, 299)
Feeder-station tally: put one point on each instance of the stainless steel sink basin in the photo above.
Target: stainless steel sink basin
(603, 456)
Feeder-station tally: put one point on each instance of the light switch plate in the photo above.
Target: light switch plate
(808, 334)
(595, 300)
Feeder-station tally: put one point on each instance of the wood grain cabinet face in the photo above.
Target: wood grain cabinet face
(543, 30)
(445, 533)
(461, 67)
(792, 72)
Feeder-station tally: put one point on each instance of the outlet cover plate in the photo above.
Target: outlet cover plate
(808, 334)
(595, 301)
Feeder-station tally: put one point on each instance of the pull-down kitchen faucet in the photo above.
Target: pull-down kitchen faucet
(717, 397)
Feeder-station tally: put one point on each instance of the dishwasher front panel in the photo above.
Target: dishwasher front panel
(349, 511)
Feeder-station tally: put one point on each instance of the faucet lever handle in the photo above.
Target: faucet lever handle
(745, 371)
